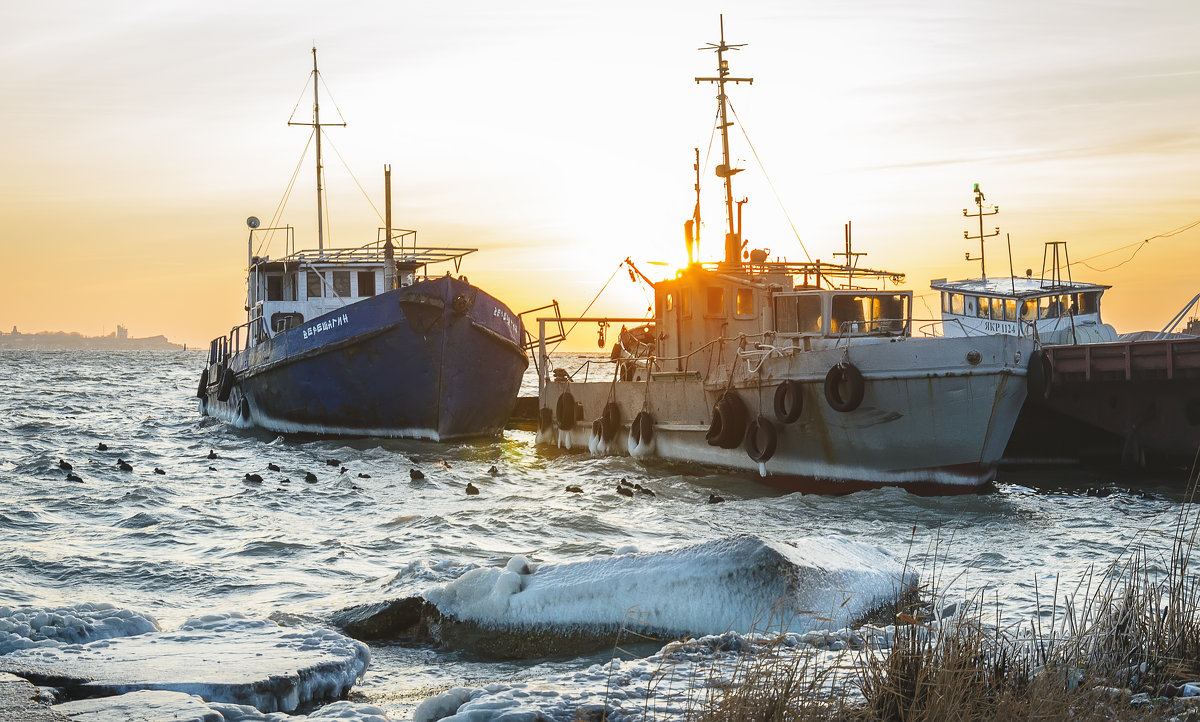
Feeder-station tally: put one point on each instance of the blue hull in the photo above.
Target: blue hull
(439, 359)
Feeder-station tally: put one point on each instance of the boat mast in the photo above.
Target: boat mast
(979, 199)
(316, 124)
(733, 243)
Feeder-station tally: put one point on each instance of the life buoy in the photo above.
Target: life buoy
(545, 418)
(1040, 375)
(225, 384)
(847, 399)
(202, 390)
(610, 421)
(761, 426)
(565, 411)
(789, 401)
(728, 422)
(641, 431)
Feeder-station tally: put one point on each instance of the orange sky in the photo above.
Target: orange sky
(557, 138)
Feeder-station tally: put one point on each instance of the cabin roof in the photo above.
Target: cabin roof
(1013, 287)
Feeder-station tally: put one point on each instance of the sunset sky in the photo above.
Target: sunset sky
(557, 137)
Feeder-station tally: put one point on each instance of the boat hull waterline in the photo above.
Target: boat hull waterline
(408, 363)
(929, 421)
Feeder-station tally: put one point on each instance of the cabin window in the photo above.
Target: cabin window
(956, 304)
(1089, 302)
(945, 302)
(715, 305)
(744, 302)
(997, 308)
(982, 305)
(274, 288)
(889, 313)
(798, 314)
(1053, 307)
(314, 284)
(281, 322)
(685, 307)
(1028, 310)
(341, 284)
(669, 301)
(366, 283)
(1010, 310)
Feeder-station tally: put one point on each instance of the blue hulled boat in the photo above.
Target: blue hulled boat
(364, 341)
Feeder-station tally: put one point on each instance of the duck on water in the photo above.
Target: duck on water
(794, 370)
(364, 341)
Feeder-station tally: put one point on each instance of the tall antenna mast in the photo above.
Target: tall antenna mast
(979, 199)
(733, 242)
(316, 124)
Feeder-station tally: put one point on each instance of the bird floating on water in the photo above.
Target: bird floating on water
(101, 446)
(158, 470)
(254, 478)
(273, 466)
(310, 477)
(124, 465)
(71, 476)
(415, 474)
(212, 454)
(472, 490)
(64, 465)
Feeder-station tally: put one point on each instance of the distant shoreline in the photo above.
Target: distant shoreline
(64, 341)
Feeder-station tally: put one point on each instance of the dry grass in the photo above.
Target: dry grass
(1119, 645)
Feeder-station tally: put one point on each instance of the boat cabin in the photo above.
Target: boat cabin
(302, 285)
(1056, 312)
(763, 304)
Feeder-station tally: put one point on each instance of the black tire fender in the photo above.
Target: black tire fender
(642, 429)
(225, 383)
(763, 427)
(728, 425)
(849, 375)
(202, 389)
(789, 401)
(610, 421)
(545, 418)
(1040, 375)
(565, 411)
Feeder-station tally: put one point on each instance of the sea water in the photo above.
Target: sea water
(199, 539)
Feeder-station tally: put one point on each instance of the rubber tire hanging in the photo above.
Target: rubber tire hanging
(1040, 375)
(764, 426)
(789, 401)
(848, 374)
(728, 425)
(642, 429)
(565, 411)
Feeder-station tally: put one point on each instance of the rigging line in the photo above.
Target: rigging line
(1140, 246)
(333, 100)
(589, 306)
(287, 192)
(299, 100)
(1176, 232)
(769, 182)
(352, 176)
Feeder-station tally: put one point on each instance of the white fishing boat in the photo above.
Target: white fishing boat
(796, 371)
(1093, 392)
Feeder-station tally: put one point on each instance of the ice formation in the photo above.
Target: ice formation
(741, 583)
(220, 657)
(25, 628)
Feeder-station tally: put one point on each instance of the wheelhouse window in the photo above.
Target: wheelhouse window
(341, 284)
(366, 283)
(956, 304)
(798, 314)
(744, 302)
(715, 301)
(982, 306)
(1010, 309)
(1089, 302)
(873, 313)
(274, 287)
(315, 285)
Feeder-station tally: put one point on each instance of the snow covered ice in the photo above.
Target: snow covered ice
(220, 657)
(738, 583)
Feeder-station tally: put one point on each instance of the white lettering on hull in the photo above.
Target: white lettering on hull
(326, 325)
